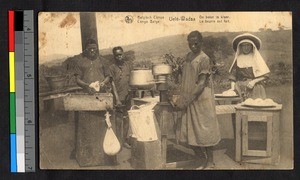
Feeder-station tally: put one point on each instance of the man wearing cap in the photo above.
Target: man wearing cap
(248, 70)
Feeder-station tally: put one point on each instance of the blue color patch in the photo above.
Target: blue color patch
(13, 153)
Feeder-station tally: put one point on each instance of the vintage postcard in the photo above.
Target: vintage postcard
(165, 90)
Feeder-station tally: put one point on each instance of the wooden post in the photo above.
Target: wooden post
(88, 27)
(276, 138)
(238, 145)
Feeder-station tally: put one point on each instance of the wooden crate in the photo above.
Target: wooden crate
(269, 116)
(146, 155)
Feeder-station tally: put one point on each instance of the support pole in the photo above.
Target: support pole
(88, 27)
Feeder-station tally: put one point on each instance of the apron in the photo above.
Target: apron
(258, 91)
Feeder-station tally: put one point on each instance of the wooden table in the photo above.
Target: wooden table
(226, 105)
(227, 100)
(80, 101)
(270, 116)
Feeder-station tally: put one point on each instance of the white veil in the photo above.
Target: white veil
(253, 60)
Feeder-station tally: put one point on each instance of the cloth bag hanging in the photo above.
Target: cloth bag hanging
(111, 144)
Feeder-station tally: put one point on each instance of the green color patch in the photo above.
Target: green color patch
(12, 105)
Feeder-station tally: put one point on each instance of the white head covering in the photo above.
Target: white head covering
(253, 60)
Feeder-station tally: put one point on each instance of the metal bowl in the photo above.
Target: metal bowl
(162, 69)
(141, 79)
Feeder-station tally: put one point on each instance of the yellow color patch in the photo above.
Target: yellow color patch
(12, 79)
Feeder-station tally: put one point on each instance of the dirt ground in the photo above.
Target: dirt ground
(56, 139)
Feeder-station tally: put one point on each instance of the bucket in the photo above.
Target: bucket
(142, 123)
(56, 82)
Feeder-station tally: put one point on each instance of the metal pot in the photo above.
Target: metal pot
(56, 82)
(141, 79)
(162, 69)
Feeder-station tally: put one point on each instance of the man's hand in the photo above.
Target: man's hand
(251, 84)
(181, 106)
(89, 90)
(185, 101)
(85, 86)
(120, 107)
(102, 84)
(119, 104)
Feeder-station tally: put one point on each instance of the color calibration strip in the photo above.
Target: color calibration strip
(12, 95)
(21, 70)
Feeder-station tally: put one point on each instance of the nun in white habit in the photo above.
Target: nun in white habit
(248, 69)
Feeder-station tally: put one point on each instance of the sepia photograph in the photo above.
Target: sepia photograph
(165, 90)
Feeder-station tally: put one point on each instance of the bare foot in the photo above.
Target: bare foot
(200, 164)
(201, 167)
(127, 145)
(210, 165)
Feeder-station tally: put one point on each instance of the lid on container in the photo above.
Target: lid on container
(141, 68)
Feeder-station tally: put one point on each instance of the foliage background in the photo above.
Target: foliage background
(276, 50)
